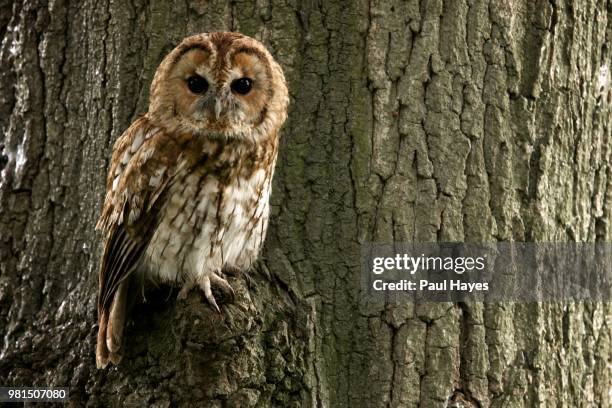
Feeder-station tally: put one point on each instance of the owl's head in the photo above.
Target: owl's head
(224, 84)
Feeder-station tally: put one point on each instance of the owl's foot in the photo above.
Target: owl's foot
(213, 278)
(205, 283)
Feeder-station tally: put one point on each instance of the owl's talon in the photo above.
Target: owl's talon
(249, 280)
(213, 303)
(205, 285)
(225, 287)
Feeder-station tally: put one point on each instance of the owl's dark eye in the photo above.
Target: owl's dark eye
(197, 84)
(242, 85)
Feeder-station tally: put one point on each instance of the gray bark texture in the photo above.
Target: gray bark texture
(430, 120)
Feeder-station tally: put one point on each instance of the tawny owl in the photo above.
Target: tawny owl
(189, 182)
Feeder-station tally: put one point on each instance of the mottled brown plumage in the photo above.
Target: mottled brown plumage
(189, 182)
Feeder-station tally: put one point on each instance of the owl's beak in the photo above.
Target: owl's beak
(218, 108)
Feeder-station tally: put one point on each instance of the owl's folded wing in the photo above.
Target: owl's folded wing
(143, 162)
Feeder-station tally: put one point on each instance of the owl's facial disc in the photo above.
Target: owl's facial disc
(212, 96)
(227, 100)
(219, 83)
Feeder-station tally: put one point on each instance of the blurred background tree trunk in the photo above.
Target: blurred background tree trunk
(455, 120)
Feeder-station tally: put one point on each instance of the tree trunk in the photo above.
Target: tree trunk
(455, 120)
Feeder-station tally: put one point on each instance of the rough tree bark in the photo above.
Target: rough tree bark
(456, 120)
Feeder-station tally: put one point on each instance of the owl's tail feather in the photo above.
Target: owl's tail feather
(101, 350)
(110, 332)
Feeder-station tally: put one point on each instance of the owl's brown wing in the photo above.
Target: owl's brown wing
(142, 165)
